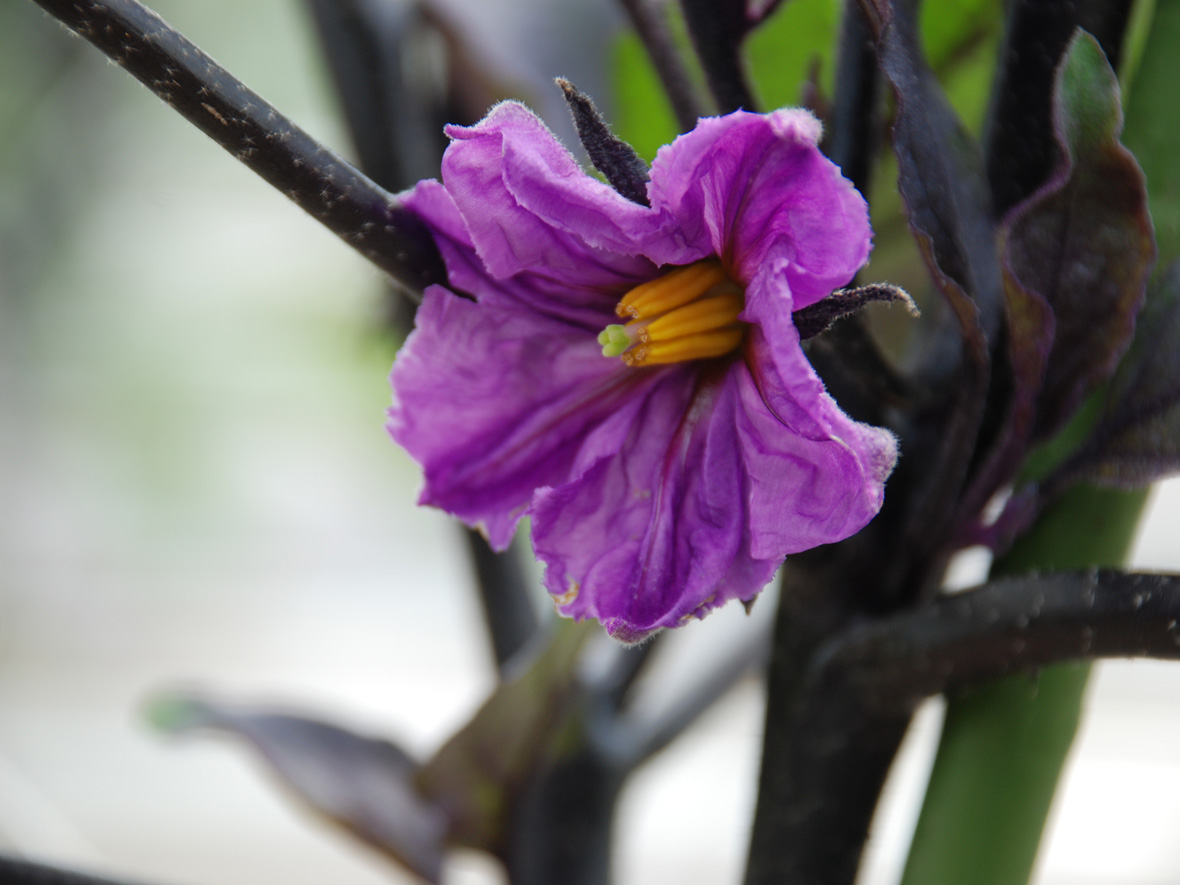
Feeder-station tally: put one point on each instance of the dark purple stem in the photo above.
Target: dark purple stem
(852, 132)
(1008, 626)
(717, 29)
(653, 32)
(504, 596)
(854, 695)
(362, 214)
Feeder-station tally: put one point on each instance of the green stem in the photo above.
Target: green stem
(1004, 744)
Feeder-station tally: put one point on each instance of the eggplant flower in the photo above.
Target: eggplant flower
(629, 376)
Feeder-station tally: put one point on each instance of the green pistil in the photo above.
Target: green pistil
(614, 340)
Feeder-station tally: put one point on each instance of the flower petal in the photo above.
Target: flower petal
(658, 533)
(494, 402)
(787, 415)
(431, 202)
(511, 149)
(751, 186)
(585, 306)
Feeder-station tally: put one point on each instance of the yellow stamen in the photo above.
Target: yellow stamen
(693, 347)
(672, 290)
(705, 315)
(689, 313)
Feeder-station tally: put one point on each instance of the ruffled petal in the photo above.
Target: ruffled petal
(590, 308)
(660, 532)
(752, 187)
(495, 402)
(838, 466)
(510, 151)
(430, 201)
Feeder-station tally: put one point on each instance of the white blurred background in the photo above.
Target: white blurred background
(195, 488)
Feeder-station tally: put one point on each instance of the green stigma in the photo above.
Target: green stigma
(614, 340)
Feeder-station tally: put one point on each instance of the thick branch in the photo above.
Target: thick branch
(855, 701)
(1018, 624)
(350, 205)
(799, 834)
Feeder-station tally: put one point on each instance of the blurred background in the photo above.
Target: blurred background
(196, 490)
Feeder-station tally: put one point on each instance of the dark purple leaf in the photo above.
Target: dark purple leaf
(478, 774)
(1137, 438)
(465, 795)
(852, 128)
(818, 317)
(1021, 147)
(1083, 243)
(940, 175)
(1076, 255)
(363, 784)
(947, 206)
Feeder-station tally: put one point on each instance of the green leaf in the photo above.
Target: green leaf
(781, 52)
(477, 774)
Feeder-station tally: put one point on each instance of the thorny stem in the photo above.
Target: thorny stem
(362, 214)
(653, 32)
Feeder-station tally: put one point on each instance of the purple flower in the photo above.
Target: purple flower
(629, 377)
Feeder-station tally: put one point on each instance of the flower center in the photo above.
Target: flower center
(689, 313)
